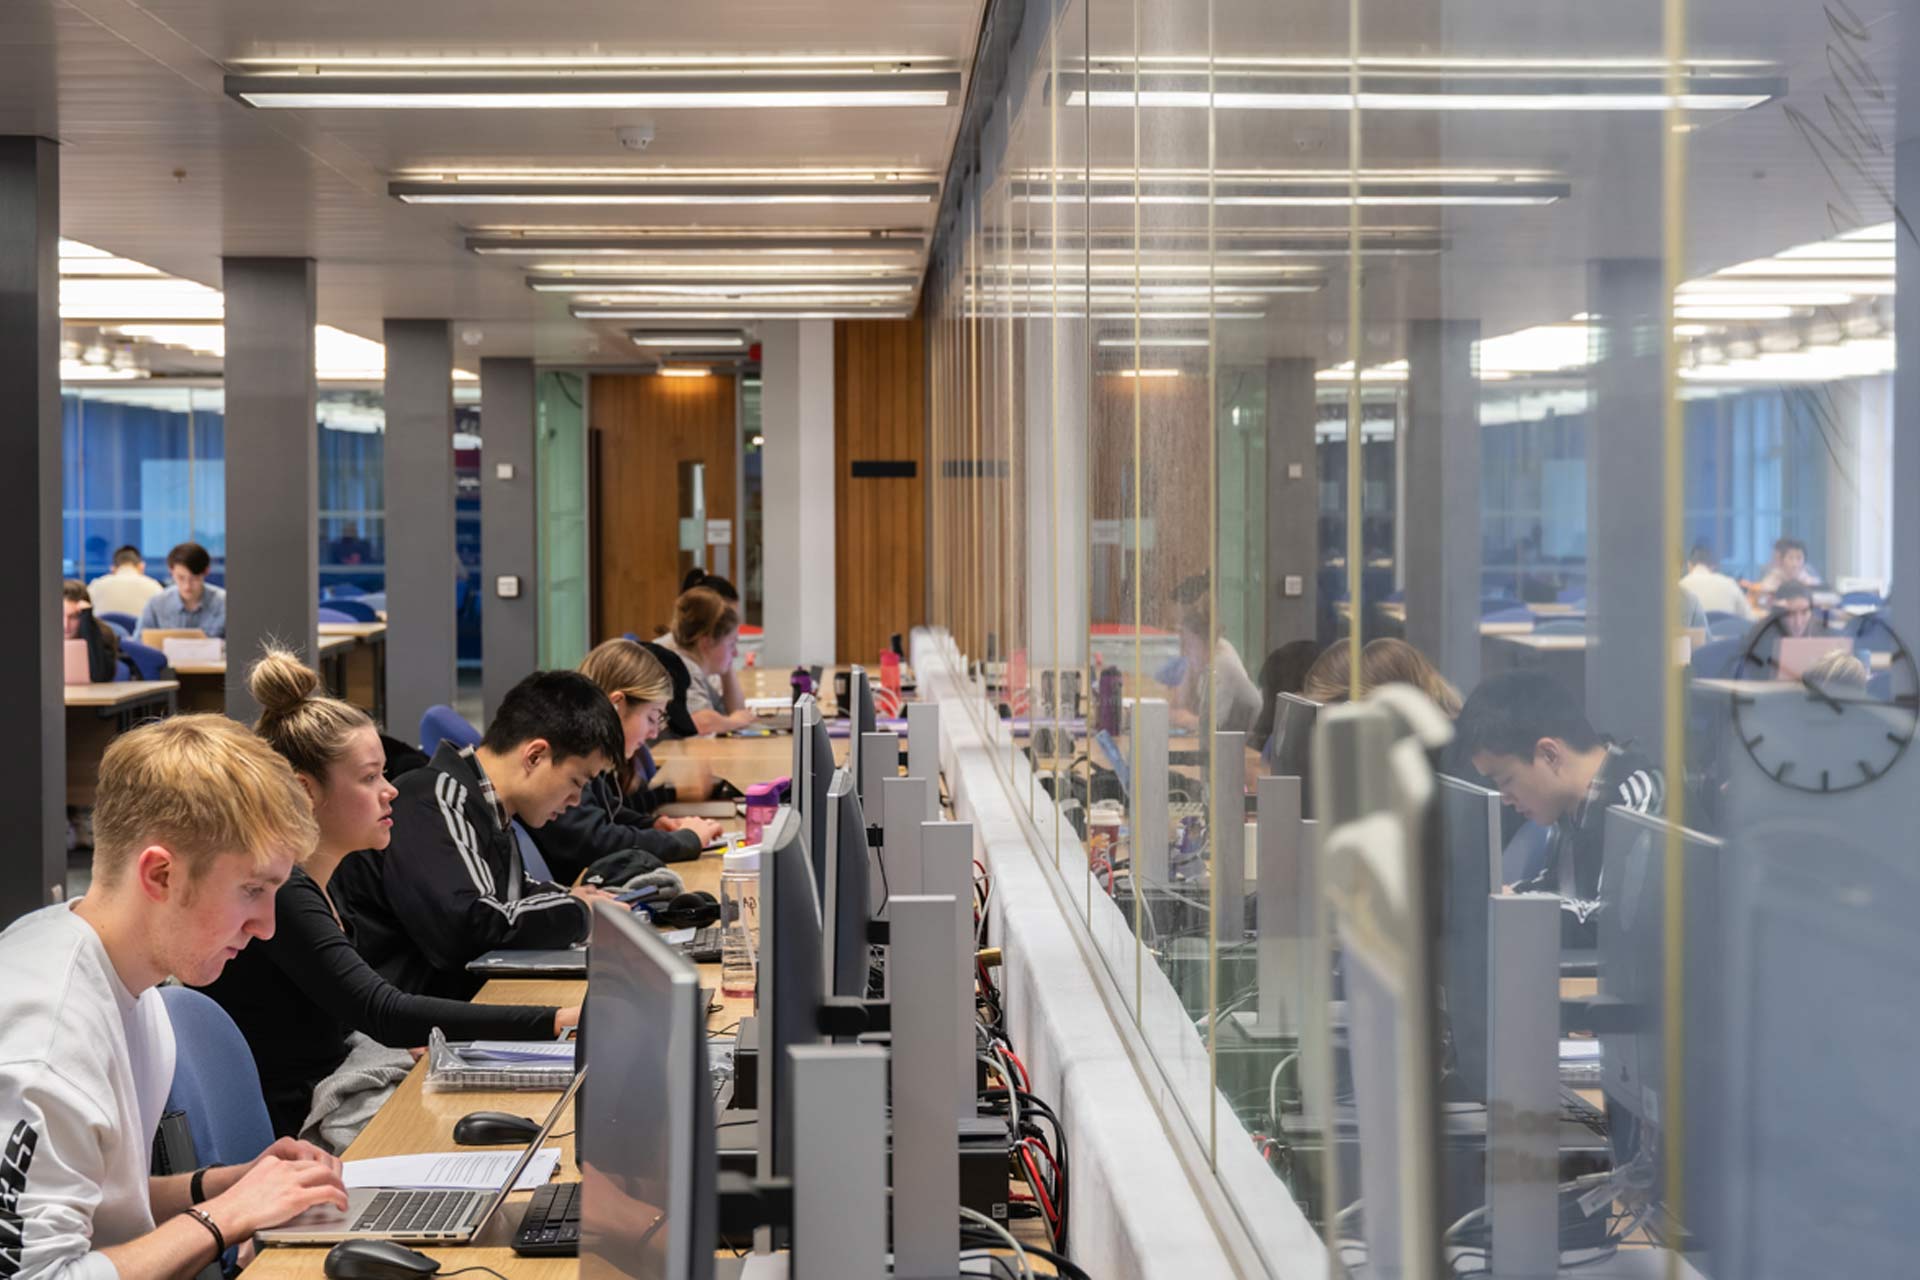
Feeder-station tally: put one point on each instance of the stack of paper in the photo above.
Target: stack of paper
(451, 1170)
(545, 1052)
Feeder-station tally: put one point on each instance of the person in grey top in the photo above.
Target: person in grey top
(191, 601)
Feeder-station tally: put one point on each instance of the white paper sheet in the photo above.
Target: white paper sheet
(462, 1170)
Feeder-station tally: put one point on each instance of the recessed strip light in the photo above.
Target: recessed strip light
(660, 193)
(631, 246)
(767, 89)
(732, 340)
(754, 312)
(590, 61)
(664, 174)
(1386, 92)
(1146, 340)
(731, 283)
(683, 371)
(1143, 373)
(1298, 195)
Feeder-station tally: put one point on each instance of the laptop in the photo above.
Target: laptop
(77, 669)
(1797, 653)
(414, 1215)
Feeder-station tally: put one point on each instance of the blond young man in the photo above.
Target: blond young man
(197, 822)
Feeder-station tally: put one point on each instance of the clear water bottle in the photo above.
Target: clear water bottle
(740, 923)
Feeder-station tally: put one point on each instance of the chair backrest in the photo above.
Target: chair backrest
(355, 610)
(1498, 604)
(530, 856)
(1725, 627)
(149, 663)
(345, 591)
(327, 614)
(214, 1081)
(376, 601)
(1717, 659)
(1514, 613)
(441, 723)
(124, 623)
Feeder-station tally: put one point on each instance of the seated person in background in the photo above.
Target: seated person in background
(78, 623)
(191, 602)
(1789, 565)
(1383, 661)
(298, 994)
(1716, 592)
(602, 824)
(1525, 733)
(706, 629)
(127, 588)
(450, 887)
(1793, 606)
(1838, 672)
(1213, 680)
(196, 824)
(1284, 671)
(651, 786)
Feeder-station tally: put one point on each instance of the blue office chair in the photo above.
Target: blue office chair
(1718, 659)
(345, 591)
(530, 856)
(126, 623)
(330, 614)
(124, 633)
(214, 1081)
(1862, 600)
(376, 601)
(442, 723)
(149, 663)
(355, 610)
(1725, 627)
(1573, 595)
(1490, 605)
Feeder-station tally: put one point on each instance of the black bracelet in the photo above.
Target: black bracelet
(197, 1189)
(206, 1220)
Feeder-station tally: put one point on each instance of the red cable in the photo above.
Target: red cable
(1040, 1190)
(1026, 1086)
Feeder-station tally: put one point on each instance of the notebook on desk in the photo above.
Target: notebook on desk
(560, 962)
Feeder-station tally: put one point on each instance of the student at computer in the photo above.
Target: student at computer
(299, 994)
(1715, 591)
(126, 588)
(602, 823)
(1382, 661)
(1284, 671)
(191, 602)
(705, 633)
(451, 886)
(1789, 565)
(79, 623)
(1212, 678)
(196, 823)
(1530, 739)
(1792, 604)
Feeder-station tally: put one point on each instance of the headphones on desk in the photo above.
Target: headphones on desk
(693, 910)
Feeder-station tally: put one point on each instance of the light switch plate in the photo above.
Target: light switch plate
(507, 586)
(1292, 585)
(1296, 471)
(503, 471)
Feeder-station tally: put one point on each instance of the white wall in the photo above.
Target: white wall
(797, 521)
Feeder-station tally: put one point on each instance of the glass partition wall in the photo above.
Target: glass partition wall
(1544, 358)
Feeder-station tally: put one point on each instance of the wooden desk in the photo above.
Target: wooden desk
(96, 715)
(361, 666)
(203, 685)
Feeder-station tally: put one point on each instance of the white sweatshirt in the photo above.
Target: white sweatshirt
(85, 1067)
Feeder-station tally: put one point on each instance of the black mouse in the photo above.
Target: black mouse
(376, 1260)
(692, 910)
(494, 1129)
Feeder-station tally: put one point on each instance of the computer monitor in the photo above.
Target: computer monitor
(1467, 873)
(1288, 751)
(791, 987)
(648, 1204)
(848, 902)
(856, 686)
(812, 777)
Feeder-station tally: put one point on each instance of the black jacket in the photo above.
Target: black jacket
(450, 887)
(298, 995)
(601, 824)
(1569, 863)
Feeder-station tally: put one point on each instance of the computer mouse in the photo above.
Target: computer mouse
(692, 910)
(376, 1260)
(494, 1129)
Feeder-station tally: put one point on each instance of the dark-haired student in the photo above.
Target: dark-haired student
(299, 994)
(125, 588)
(451, 886)
(191, 602)
(1534, 744)
(195, 824)
(79, 623)
(603, 823)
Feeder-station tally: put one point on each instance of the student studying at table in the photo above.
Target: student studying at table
(450, 886)
(196, 824)
(298, 995)
(191, 602)
(79, 623)
(705, 633)
(126, 588)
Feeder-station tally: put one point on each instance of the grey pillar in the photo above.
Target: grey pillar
(1442, 510)
(35, 744)
(1293, 505)
(419, 483)
(1627, 569)
(509, 537)
(273, 442)
(1905, 588)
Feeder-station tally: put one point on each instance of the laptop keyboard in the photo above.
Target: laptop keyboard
(418, 1212)
(552, 1220)
(704, 946)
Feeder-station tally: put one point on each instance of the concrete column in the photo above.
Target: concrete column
(509, 522)
(421, 640)
(1905, 605)
(1442, 500)
(797, 525)
(1627, 568)
(1056, 514)
(1293, 505)
(273, 513)
(34, 750)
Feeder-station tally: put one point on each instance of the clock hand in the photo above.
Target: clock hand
(1818, 694)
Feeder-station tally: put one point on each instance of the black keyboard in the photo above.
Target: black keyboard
(704, 946)
(417, 1213)
(551, 1225)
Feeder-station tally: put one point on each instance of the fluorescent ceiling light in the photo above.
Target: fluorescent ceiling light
(732, 341)
(683, 371)
(1709, 296)
(595, 61)
(1382, 91)
(660, 193)
(1831, 267)
(668, 175)
(732, 284)
(604, 271)
(618, 91)
(1717, 311)
(746, 312)
(1146, 340)
(1302, 195)
(1143, 373)
(524, 242)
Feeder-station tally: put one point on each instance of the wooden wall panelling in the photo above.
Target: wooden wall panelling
(880, 551)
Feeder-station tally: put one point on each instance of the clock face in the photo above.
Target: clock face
(1828, 736)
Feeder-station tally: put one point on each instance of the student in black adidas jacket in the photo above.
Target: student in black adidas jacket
(1526, 733)
(450, 886)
